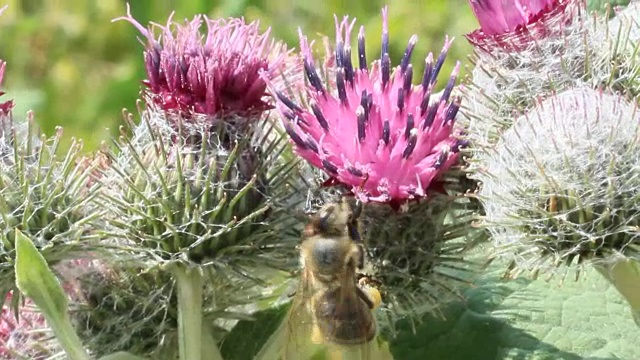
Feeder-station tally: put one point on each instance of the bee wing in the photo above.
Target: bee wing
(330, 319)
(350, 326)
(299, 324)
(344, 315)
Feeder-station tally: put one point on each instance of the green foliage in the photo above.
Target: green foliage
(36, 280)
(605, 5)
(527, 319)
(46, 193)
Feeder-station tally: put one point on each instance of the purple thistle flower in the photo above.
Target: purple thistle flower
(372, 129)
(514, 24)
(215, 74)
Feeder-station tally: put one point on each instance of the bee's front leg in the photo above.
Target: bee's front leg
(370, 295)
(359, 251)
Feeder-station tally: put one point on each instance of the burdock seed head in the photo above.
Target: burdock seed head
(561, 186)
(616, 51)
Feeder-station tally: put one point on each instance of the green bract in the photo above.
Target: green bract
(215, 200)
(46, 194)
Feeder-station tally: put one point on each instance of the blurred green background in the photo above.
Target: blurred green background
(68, 63)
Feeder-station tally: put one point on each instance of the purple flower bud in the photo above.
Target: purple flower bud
(514, 24)
(5, 107)
(216, 74)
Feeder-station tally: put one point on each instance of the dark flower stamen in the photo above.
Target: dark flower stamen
(329, 166)
(362, 56)
(294, 136)
(342, 91)
(386, 132)
(319, 116)
(361, 118)
(442, 158)
(400, 101)
(312, 76)
(406, 59)
(411, 144)
(410, 124)
(288, 103)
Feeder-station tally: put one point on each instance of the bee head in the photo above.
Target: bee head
(328, 238)
(335, 219)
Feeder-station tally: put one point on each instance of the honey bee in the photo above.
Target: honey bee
(330, 307)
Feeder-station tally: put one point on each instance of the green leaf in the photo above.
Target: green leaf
(527, 319)
(35, 280)
(121, 355)
(235, 345)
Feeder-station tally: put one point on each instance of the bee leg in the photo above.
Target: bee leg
(353, 226)
(354, 232)
(370, 295)
(357, 211)
(359, 250)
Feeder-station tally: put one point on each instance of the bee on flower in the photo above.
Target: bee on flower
(396, 147)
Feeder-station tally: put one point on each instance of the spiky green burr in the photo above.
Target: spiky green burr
(418, 253)
(45, 192)
(215, 203)
(558, 52)
(560, 189)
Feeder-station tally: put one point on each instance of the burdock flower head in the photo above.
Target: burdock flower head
(377, 133)
(393, 145)
(200, 191)
(215, 74)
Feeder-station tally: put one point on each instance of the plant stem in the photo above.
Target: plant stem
(624, 274)
(190, 286)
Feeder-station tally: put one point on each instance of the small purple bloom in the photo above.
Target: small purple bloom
(216, 74)
(5, 107)
(516, 23)
(371, 129)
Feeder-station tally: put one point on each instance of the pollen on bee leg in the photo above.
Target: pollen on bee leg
(316, 335)
(374, 295)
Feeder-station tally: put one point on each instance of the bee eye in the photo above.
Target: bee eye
(323, 224)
